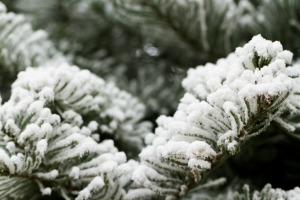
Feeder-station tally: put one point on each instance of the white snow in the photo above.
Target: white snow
(31, 131)
(75, 172)
(47, 175)
(41, 147)
(95, 185)
(46, 191)
(5, 159)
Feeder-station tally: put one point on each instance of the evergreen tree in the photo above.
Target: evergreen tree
(149, 99)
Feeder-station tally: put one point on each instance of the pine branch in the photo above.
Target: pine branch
(21, 46)
(82, 97)
(277, 20)
(50, 127)
(195, 23)
(118, 112)
(266, 193)
(48, 131)
(232, 193)
(44, 149)
(225, 105)
(42, 152)
(123, 60)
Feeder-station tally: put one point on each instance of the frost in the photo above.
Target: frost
(4, 158)
(149, 138)
(96, 184)
(200, 149)
(47, 126)
(50, 127)
(46, 129)
(31, 131)
(202, 164)
(79, 93)
(48, 175)
(225, 104)
(18, 161)
(132, 194)
(75, 172)
(2, 8)
(142, 174)
(10, 146)
(93, 125)
(45, 146)
(41, 147)
(46, 191)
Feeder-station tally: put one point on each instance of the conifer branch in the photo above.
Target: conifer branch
(195, 23)
(43, 152)
(82, 97)
(225, 105)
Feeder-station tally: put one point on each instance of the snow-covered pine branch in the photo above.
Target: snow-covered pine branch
(80, 96)
(118, 112)
(225, 104)
(267, 192)
(51, 123)
(231, 193)
(22, 47)
(156, 83)
(47, 146)
(262, 20)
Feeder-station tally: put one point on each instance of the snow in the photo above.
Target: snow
(18, 161)
(214, 83)
(108, 166)
(75, 173)
(230, 107)
(47, 94)
(137, 193)
(208, 120)
(41, 147)
(2, 8)
(52, 175)
(83, 145)
(258, 44)
(183, 190)
(124, 169)
(31, 131)
(96, 162)
(294, 194)
(93, 125)
(73, 117)
(142, 174)
(10, 126)
(220, 100)
(46, 129)
(200, 149)
(35, 107)
(120, 157)
(95, 185)
(232, 146)
(35, 141)
(189, 131)
(11, 146)
(201, 164)
(4, 158)
(46, 191)
(172, 148)
(180, 115)
(149, 138)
